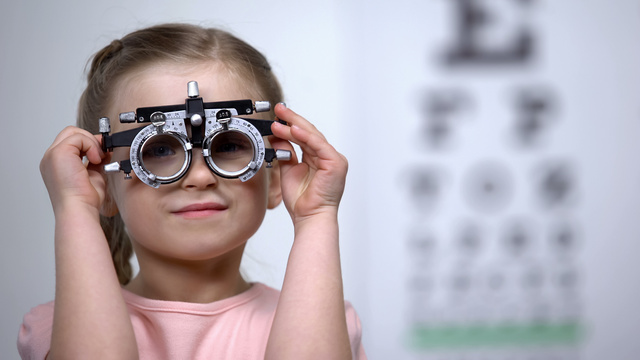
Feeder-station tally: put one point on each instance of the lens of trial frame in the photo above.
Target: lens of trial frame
(231, 150)
(163, 155)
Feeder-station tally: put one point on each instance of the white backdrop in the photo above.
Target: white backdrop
(492, 203)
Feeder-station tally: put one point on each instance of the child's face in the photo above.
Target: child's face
(201, 216)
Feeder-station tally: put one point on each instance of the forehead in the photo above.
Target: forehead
(166, 84)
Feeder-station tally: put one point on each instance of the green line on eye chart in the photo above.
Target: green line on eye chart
(423, 337)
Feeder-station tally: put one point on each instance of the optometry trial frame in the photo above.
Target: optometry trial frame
(161, 152)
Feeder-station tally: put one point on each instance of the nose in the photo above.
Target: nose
(199, 176)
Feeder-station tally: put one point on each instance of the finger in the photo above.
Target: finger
(80, 144)
(298, 136)
(291, 117)
(313, 144)
(280, 132)
(287, 134)
(72, 130)
(99, 167)
(281, 144)
(84, 142)
(65, 133)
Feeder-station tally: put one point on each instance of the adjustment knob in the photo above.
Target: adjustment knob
(262, 106)
(103, 125)
(112, 167)
(196, 120)
(284, 155)
(128, 117)
(192, 89)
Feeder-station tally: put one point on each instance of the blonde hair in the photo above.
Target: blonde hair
(166, 43)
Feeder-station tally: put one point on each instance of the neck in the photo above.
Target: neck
(189, 281)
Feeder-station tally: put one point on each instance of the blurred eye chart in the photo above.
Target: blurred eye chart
(503, 179)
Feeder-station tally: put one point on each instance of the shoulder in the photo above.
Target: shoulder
(34, 338)
(354, 326)
(353, 320)
(268, 298)
(266, 294)
(355, 331)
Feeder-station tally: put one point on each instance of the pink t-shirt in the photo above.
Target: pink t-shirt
(234, 328)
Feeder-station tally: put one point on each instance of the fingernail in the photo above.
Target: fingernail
(283, 103)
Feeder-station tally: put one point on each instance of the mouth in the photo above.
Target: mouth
(195, 211)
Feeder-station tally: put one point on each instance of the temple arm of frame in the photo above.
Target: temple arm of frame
(264, 126)
(119, 139)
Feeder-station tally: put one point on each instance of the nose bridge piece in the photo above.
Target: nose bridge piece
(195, 114)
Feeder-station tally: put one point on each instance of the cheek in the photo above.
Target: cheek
(139, 208)
(129, 195)
(251, 197)
(121, 153)
(258, 186)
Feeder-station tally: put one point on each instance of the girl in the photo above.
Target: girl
(189, 300)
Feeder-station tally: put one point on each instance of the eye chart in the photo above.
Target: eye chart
(484, 206)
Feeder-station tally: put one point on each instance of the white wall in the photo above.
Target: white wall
(362, 71)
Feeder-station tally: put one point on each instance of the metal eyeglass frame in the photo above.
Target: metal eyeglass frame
(207, 120)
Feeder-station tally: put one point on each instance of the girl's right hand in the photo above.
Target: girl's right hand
(69, 181)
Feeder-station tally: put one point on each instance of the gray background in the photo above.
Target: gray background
(360, 70)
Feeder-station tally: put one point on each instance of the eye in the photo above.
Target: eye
(159, 150)
(231, 143)
(230, 151)
(163, 155)
(228, 147)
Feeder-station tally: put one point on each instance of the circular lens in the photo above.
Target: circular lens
(163, 155)
(231, 150)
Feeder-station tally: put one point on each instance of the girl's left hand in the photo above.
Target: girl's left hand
(314, 185)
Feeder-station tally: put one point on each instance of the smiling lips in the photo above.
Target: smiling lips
(200, 210)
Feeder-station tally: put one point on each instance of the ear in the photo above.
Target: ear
(275, 189)
(109, 207)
